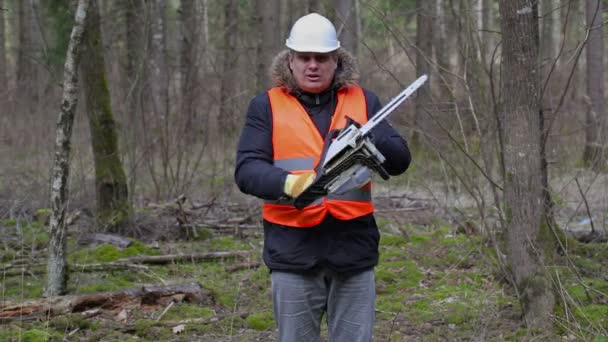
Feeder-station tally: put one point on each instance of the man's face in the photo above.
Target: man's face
(313, 71)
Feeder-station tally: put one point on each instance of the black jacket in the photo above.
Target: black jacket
(343, 246)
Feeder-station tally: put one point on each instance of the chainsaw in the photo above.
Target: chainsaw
(350, 157)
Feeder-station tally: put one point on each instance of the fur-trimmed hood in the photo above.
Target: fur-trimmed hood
(347, 72)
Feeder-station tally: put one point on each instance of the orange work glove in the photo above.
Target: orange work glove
(295, 184)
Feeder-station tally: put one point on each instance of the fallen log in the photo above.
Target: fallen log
(43, 308)
(116, 240)
(132, 263)
(167, 259)
(592, 236)
(242, 266)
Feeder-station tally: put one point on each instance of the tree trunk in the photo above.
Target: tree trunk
(486, 26)
(528, 236)
(191, 67)
(2, 52)
(113, 207)
(442, 55)
(230, 72)
(135, 22)
(347, 25)
(313, 6)
(424, 50)
(57, 266)
(594, 154)
(28, 57)
(268, 14)
(158, 82)
(550, 10)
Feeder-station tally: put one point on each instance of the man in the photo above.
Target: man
(322, 257)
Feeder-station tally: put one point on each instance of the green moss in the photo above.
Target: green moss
(393, 240)
(595, 314)
(111, 282)
(460, 313)
(142, 326)
(107, 253)
(419, 240)
(147, 329)
(6, 333)
(204, 234)
(454, 240)
(227, 243)
(138, 248)
(184, 311)
(399, 275)
(391, 254)
(8, 222)
(392, 302)
(70, 322)
(42, 215)
(260, 320)
(215, 279)
(17, 288)
(36, 335)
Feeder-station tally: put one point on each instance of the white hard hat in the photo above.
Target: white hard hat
(313, 33)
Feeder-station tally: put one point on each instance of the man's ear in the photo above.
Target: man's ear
(289, 61)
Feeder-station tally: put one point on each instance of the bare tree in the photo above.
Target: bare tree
(28, 57)
(528, 236)
(113, 208)
(424, 51)
(228, 82)
(267, 18)
(190, 62)
(56, 267)
(135, 22)
(313, 6)
(2, 52)
(348, 24)
(441, 48)
(594, 154)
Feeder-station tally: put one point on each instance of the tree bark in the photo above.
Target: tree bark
(3, 78)
(528, 236)
(594, 155)
(229, 75)
(148, 295)
(191, 67)
(424, 49)
(111, 190)
(441, 49)
(267, 19)
(135, 22)
(28, 57)
(348, 25)
(56, 267)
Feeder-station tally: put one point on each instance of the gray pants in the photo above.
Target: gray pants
(299, 302)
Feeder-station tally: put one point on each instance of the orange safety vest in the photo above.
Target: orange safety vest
(298, 146)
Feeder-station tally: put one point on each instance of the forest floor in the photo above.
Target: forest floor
(436, 281)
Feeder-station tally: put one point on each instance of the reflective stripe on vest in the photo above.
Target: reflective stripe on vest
(298, 145)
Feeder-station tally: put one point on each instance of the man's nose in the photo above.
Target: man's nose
(313, 64)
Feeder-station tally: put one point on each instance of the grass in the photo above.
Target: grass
(432, 284)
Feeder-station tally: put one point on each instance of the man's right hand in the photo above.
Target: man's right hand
(295, 184)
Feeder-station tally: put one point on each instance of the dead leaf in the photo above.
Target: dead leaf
(179, 328)
(122, 316)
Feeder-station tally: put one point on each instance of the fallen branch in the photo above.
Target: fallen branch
(167, 259)
(242, 266)
(147, 295)
(217, 225)
(593, 236)
(133, 263)
(41, 268)
(116, 240)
